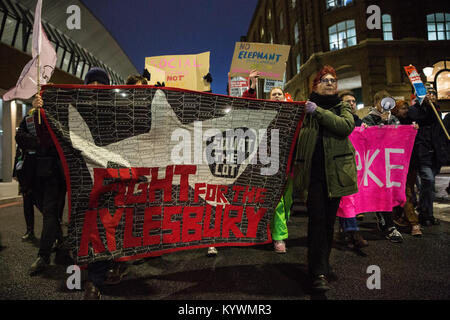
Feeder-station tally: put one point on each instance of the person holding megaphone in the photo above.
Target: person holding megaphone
(381, 114)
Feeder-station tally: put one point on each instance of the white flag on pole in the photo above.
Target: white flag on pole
(42, 51)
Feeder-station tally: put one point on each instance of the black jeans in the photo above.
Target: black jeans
(28, 211)
(385, 220)
(97, 271)
(322, 216)
(48, 194)
(427, 192)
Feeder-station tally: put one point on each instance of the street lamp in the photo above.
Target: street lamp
(428, 71)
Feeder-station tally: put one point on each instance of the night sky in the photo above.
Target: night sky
(145, 28)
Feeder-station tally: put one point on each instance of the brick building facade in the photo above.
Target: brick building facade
(367, 60)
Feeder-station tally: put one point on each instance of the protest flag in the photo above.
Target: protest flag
(40, 68)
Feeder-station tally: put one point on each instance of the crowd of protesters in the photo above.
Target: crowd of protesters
(330, 119)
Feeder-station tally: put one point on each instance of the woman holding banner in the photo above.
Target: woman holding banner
(325, 169)
(278, 225)
(280, 218)
(406, 215)
(46, 181)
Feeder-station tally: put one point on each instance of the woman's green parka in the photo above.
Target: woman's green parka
(340, 166)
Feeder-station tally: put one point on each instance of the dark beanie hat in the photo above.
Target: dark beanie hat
(96, 74)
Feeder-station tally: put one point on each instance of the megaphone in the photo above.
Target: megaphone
(388, 103)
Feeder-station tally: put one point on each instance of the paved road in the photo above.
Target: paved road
(415, 269)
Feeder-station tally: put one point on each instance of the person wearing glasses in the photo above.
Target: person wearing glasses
(278, 225)
(325, 169)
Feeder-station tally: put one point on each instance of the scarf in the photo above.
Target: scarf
(325, 101)
(391, 120)
(375, 112)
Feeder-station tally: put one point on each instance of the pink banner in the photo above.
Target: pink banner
(382, 160)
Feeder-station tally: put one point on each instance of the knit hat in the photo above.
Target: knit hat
(96, 74)
(398, 105)
(327, 69)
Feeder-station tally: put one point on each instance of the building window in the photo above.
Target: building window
(18, 44)
(440, 77)
(8, 32)
(281, 21)
(66, 61)
(443, 85)
(74, 64)
(79, 69)
(262, 32)
(86, 68)
(269, 14)
(298, 63)
(29, 43)
(438, 26)
(2, 15)
(271, 38)
(342, 35)
(293, 3)
(387, 27)
(332, 4)
(296, 33)
(59, 54)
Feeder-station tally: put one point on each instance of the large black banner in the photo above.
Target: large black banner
(151, 170)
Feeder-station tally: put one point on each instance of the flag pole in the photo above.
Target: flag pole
(39, 88)
(439, 118)
(257, 89)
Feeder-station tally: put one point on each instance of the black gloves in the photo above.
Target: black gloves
(208, 77)
(146, 74)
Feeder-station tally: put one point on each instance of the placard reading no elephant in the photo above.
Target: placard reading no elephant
(268, 59)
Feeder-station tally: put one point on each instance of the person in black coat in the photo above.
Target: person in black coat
(46, 181)
(446, 122)
(22, 173)
(432, 153)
